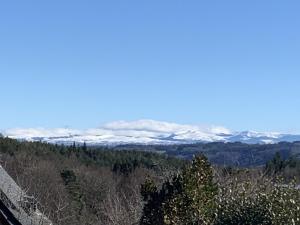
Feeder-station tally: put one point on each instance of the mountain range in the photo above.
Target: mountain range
(146, 132)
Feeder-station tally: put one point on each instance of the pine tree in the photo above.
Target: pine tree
(189, 198)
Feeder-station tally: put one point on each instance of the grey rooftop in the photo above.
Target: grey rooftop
(16, 207)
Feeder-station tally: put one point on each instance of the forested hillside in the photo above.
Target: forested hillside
(127, 185)
(233, 154)
(77, 185)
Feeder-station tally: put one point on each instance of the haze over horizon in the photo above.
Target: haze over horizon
(147, 132)
(76, 64)
(143, 124)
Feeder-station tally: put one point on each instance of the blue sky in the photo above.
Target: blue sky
(84, 63)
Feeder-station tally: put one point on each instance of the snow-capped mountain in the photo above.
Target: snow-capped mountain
(146, 132)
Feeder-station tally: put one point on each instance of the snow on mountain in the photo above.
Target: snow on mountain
(146, 132)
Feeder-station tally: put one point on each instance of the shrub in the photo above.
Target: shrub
(258, 202)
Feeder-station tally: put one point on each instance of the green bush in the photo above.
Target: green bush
(258, 203)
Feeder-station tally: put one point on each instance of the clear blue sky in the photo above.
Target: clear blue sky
(82, 63)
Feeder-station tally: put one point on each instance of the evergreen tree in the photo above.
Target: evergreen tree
(187, 199)
(276, 165)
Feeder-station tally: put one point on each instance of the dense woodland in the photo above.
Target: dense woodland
(233, 154)
(125, 185)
